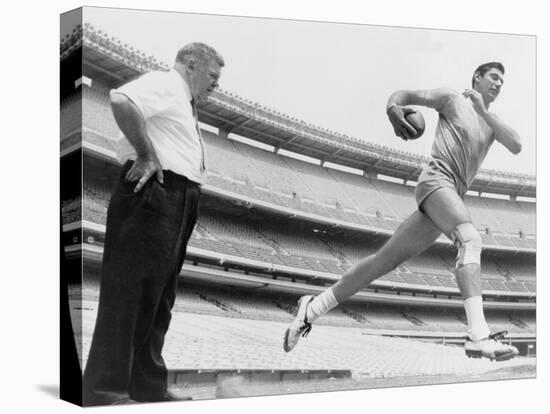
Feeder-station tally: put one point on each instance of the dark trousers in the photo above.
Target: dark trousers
(145, 243)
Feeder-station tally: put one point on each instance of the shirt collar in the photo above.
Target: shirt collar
(184, 85)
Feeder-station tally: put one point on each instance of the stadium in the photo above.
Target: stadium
(287, 208)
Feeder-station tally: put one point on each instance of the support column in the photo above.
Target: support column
(223, 133)
(370, 173)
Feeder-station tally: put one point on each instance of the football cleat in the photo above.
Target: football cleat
(300, 327)
(490, 348)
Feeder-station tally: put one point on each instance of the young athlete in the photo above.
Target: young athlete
(465, 132)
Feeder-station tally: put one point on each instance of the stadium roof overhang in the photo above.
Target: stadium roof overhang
(290, 135)
(218, 113)
(115, 63)
(98, 65)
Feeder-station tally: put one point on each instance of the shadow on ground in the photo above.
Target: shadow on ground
(49, 389)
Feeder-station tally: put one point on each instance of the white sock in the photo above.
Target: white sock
(477, 326)
(321, 304)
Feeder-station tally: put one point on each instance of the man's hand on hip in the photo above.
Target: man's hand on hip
(144, 168)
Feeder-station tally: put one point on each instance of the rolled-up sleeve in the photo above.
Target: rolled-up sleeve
(148, 93)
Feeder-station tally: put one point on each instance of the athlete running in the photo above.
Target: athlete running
(465, 132)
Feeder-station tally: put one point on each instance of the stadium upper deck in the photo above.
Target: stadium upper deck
(289, 187)
(114, 62)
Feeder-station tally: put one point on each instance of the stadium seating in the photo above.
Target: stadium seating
(204, 335)
(288, 245)
(399, 199)
(521, 271)
(349, 197)
(430, 264)
(512, 217)
(71, 210)
(241, 304)
(362, 196)
(71, 113)
(97, 114)
(95, 202)
(264, 175)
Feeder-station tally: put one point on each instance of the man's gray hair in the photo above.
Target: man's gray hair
(201, 52)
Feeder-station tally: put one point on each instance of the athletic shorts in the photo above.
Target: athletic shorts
(434, 176)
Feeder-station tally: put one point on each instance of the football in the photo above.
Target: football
(416, 119)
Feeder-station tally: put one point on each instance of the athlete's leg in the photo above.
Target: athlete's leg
(413, 236)
(448, 212)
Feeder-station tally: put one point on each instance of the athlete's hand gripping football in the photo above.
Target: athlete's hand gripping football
(401, 127)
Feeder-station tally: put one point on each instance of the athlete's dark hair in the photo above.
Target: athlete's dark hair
(482, 69)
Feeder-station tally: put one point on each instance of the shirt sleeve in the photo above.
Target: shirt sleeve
(148, 93)
(436, 98)
(446, 99)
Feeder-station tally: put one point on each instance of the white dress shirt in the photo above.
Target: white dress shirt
(164, 99)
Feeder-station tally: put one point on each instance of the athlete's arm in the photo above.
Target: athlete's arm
(397, 107)
(132, 124)
(503, 133)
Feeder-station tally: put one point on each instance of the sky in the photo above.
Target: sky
(339, 76)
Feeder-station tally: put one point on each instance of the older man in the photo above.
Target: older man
(151, 216)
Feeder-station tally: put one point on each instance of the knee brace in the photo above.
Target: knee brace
(468, 241)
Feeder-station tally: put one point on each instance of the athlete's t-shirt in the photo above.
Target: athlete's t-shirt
(462, 138)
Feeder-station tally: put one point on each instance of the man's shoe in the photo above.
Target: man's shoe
(490, 348)
(124, 401)
(169, 395)
(300, 327)
(173, 395)
(98, 397)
